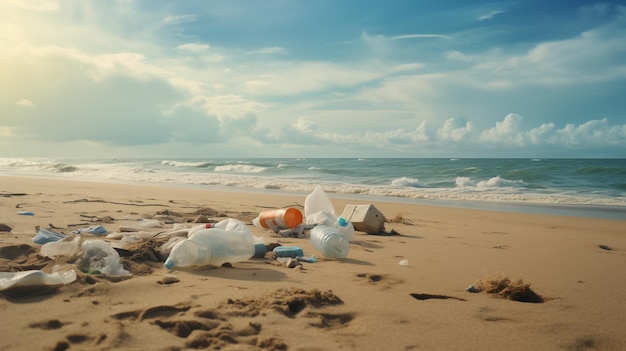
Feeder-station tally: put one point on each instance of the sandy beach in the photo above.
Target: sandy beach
(367, 301)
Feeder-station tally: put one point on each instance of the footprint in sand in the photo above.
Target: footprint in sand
(229, 323)
(48, 325)
(422, 297)
(383, 281)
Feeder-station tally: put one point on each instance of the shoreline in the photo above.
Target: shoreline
(567, 210)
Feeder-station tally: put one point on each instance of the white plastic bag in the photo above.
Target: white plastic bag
(318, 209)
(68, 246)
(102, 257)
(35, 278)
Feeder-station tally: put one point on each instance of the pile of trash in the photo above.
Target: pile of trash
(208, 244)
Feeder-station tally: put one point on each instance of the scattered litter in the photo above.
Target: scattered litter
(297, 232)
(404, 263)
(97, 230)
(44, 236)
(25, 213)
(283, 218)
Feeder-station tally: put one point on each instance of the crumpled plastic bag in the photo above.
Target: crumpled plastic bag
(68, 246)
(318, 209)
(34, 278)
(100, 257)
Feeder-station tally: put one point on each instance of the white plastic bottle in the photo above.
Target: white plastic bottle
(345, 228)
(212, 247)
(329, 241)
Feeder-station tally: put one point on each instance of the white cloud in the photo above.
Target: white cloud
(180, 19)
(418, 36)
(489, 15)
(274, 50)
(506, 131)
(452, 131)
(34, 5)
(292, 78)
(407, 67)
(594, 132)
(25, 103)
(194, 47)
(541, 134)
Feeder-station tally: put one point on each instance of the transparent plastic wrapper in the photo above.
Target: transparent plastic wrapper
(35, 278)
(100, 257)
(69, 247)
(318, 209)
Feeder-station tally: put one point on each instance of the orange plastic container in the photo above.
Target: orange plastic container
(280, 218)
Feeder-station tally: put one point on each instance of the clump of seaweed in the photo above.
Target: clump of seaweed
(398, 219)
(504, 287)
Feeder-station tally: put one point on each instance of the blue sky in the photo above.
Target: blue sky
(326, 78)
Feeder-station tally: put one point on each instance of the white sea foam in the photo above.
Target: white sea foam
(407, 182)
(180, 164)
(240, 168)
(494, 182)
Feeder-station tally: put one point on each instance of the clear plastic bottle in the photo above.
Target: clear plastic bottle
(329, 241)
(212, 247)
(345, 228)
(229, 224)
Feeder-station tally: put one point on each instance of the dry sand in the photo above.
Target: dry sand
(367, 301)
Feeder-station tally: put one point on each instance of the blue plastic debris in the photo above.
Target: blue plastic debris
(45, 236)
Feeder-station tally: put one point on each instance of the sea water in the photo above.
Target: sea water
(577, 187)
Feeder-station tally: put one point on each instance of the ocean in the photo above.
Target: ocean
(570, 187)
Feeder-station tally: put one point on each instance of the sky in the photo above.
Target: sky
(324, 78)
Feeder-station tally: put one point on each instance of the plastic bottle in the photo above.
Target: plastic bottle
(212, 247)
(229, 225)
(329, 241)
(345, 228)
(285, 218)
